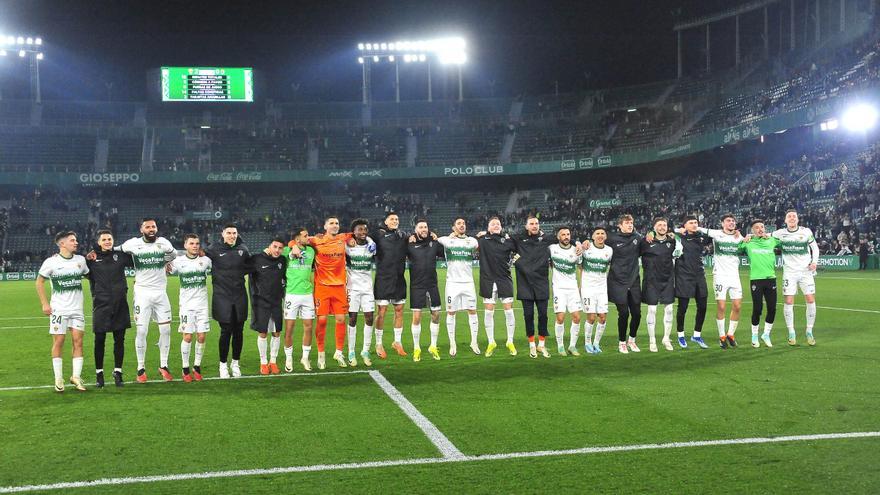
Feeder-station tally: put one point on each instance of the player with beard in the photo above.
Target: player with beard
(423, 252)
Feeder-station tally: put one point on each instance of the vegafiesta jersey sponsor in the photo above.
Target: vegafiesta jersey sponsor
(565, 262)
(66, 275)
(799, 248)
(459, 253)
(149, 261)
(359, 266)
(595, 262)
(193, 276)
(726, 249)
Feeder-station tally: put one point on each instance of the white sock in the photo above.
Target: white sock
(368, 337)
(450, 328)
(651, 320)
(77, 366)
(306, 350)
(379, 332)
(435, 332)
(667, 321)
(398, 334)
(262, 345)
(542, 342)
(58, 368)
(531, 344)
(788, 313)
(600, 330)
(274, 344)
(588, 333)
(680, 335)
(474, 324)
(811, 316)
(489, 324)
(288, 353)
(697, 334)
(755, 329)
(575, 330)
(140, 345)
(352, 338)
(767, 327)
(200, 351)
(510, 323)
(101, 370)
(560, 334)
(164, 344)
(235, 363)
(720, 325)
(731, 327)
(417, 335)
(185, 347)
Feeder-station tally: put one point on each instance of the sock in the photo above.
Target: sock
(811, 316)
(101, 370)
(306, 350)
(720, 324)
(235, 363)
(164, 344)
(140, 345)
(379, 332)
(560, 334)
(77, 366)
(339, 332)
(398, 334)
(489, 324)
(368, 337)
(755, 329)
(667, 321)
(200, 351)
(417, 335)
(184, 352)
(288, 353)
(474, 324)
(697, 334)
(541, 341)
(600, 330)
(510, 323)
(788, 313)
(588, 333)
(435, 332)
(274, 344)
(262, 344)
(450, 328)
(115, 370)
(680, 335)
(320, 333)
(575, 331)
(651, 321)
(57, 367)
(531, 342)
(767, 328)
(352, 338)
(731, 328)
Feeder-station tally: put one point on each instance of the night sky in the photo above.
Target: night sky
(307, 50)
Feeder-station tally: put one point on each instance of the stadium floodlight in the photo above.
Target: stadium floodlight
(375, 58)
(391, 58)
(21, 53)
(360, 60)
(422, 57)
(38, 41)
(29, 41)
(384, 46)
(361, 46)
(20, 40)
(369, 46)
(40, 56)
(859, 118)
(10, 40)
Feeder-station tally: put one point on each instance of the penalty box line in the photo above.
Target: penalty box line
(440, 460)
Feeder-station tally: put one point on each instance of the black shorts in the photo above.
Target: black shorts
(691, 288)
(110, 316)
(617, 294)
(264, 315)
(654, 293)
(504, 287)
(420, 298)
(389, 288)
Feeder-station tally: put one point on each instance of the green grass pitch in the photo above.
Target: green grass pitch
(484, 406)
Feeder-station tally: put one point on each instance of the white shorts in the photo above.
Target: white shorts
(194, 321)
(567, 300)
(491, 300)
(460, 297)
(58, 324)
(595, 302)
(791, 281)
(725, 286)
(151, 305)
(361, 301)
(299, 306)
(393, 302)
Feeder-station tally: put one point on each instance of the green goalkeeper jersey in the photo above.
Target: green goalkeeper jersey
(762, 257)
(299, 271)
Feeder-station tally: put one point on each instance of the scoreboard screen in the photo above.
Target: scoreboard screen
(207, 84)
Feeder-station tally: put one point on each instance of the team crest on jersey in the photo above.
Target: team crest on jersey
(241, 252)
(115, 257)
(279, 265)
(635, 241)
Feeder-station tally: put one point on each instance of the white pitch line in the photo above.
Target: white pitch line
(433, 433)
(435, 460)
(242, 377)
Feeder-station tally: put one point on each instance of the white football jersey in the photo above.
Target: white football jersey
(459, 258)
(725, 260)
(66, 275)
(359, 267)
(595, 263)
(565, 263)
(799, 248)
(149, 261)
(193, 275)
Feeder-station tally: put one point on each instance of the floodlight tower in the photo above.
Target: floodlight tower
(445, 51)
(29, 47)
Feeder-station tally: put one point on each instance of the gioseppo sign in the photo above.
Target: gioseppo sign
(108, 178)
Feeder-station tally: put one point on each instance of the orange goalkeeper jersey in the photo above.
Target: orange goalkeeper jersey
(330, 258)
